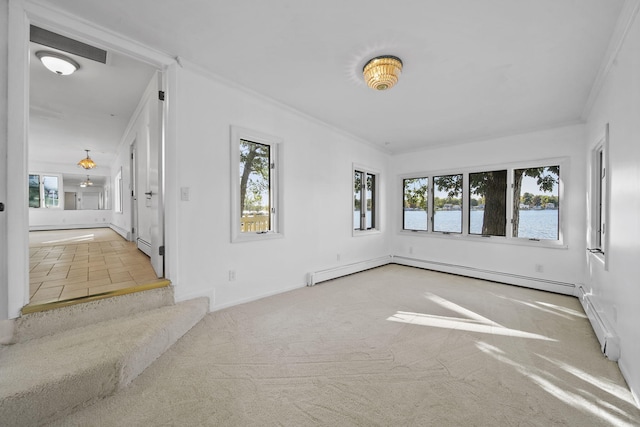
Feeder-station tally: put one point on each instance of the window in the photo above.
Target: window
(600, 199)
(599, 196)
(447, 203)
(117, 192)
(364, 199)
(484, 206)
(415, 194)
(488, 203)
(536, 203)
(254, 165)
(44, 191)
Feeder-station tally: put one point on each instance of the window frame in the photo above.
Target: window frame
(275, 184)
(118, 193)
(600, 201)
(429, 199)
(560, 243)
(463, 201)
(42, 198)
(376, 221)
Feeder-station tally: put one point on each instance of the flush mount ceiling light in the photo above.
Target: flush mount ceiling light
(86, 183)
(87, 163)
(382, 72)
(57, 63)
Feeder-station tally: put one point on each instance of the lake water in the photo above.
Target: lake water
(534, 224)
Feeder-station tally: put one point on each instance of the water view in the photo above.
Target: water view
(534, 224)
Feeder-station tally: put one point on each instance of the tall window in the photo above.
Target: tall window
(599, 192)
(44, 191)
(416, 213)
(117, 192)
(447, 203)
(254, 185)
(536, 203)
(364, 200)
(488, 203)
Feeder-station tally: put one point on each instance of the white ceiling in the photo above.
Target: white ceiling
(89, 109)
(473, 69)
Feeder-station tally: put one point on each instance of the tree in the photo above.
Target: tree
(546, 178)
(254, 172)
(491, 185)
(415, 193)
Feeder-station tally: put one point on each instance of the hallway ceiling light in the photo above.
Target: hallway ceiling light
(57, 63)
(86, 183)
(87, 163)
(382, 72)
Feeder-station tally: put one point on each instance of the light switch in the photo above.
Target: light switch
(184, 194)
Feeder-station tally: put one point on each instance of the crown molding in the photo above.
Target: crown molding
(625, 21)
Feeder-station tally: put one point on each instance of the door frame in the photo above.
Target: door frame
(22, 14)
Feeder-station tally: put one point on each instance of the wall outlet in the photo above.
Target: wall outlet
(410, 249)
(232, 275)
(539, 268)
(337, 257)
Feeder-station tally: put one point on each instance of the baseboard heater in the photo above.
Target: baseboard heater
(494, 276)
(144, 246)
(121, 231)
(609, 341)
(344, 270)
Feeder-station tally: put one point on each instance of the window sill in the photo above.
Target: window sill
(360, 233)
(551, 244)
(255, 237)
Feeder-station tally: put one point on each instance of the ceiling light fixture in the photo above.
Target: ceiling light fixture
(86, 183)
(57, 63)
(382, 72)
(87, 163)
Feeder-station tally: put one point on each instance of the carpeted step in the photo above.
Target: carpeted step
(45, 378)
(37, 325)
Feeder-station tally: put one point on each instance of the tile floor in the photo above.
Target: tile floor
(67, 264)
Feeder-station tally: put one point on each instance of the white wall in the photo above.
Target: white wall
(58, 219)
(4, 280)
(317, 195)
(559, 264)
(616, 291)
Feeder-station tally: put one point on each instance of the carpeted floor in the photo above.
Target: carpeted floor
(391, 346)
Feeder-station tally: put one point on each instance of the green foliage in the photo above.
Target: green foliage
(415, 193)
(254, 175)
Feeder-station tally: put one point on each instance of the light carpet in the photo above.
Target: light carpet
(390, 346)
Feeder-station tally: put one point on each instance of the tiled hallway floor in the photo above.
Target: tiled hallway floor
(67, 264)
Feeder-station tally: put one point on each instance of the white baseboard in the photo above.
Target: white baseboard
(121, 231)
(208, 293)
(255, 298)
(608, 339)
(626, 373)
(144, 246)
(7, 328)
(495, 276)
(344, 270)
(64, 226)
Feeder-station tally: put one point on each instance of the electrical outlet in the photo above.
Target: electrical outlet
(337, 257)
(232, 275)
(539, 268)
(410, 249)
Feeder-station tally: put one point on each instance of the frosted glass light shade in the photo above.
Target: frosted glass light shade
(57, 63)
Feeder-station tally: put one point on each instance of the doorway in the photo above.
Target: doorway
(104, 105)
